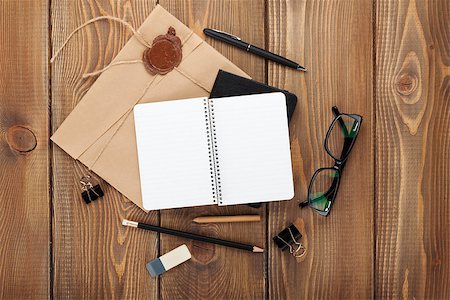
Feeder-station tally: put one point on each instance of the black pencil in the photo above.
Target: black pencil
(192, 236)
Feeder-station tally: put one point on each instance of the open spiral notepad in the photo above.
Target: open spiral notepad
(223, 151)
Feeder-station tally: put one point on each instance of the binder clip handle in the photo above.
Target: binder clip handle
(86, 183)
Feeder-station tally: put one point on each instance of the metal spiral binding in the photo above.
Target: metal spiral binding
(216, 163)
(209, 132)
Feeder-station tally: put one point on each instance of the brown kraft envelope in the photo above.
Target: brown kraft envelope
(105, 142)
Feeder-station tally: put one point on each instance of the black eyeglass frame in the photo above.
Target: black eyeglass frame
(339, 163)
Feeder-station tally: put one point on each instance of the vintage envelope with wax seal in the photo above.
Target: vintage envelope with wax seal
(164, 60)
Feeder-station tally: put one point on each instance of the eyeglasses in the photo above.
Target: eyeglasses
(341, 137)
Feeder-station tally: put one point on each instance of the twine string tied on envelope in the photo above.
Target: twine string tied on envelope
(138, 35)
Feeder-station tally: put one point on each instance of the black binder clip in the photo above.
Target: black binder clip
(90, 192)
(289, 238)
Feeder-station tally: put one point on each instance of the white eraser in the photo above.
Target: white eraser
(169, 260)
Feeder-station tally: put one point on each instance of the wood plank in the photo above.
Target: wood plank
(413, 149)
(333, 39)
(216, 272)
(94, 255)
(24, 151)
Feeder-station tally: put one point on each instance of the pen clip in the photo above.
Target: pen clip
(229, 34)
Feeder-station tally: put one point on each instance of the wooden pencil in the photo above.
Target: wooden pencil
(227, 219)
(192, 236)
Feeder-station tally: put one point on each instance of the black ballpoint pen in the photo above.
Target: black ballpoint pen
(237, 42)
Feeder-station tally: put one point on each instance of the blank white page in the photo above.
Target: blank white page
(173, 154)
(253, 153)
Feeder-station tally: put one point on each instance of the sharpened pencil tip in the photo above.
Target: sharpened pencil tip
(257, 249)
(300, 68)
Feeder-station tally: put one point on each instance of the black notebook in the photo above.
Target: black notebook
(228, 84)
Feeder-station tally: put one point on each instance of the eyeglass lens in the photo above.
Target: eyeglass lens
(341, 136)
(322, 189)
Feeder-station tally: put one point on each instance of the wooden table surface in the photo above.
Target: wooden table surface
(388, 233)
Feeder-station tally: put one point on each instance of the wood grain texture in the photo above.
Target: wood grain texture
(95, 257)
(24, 151)
(216, 272)
(413, 149)
(333, 39)
(397, 247)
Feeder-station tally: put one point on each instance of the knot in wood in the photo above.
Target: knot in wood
(406, 84)
(21, 139)
(202, 251)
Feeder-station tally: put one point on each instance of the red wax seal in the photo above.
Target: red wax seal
(164, 55)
